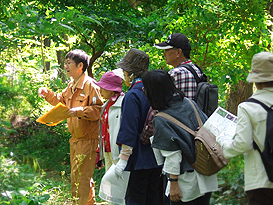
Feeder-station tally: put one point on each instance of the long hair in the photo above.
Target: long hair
(159, 88)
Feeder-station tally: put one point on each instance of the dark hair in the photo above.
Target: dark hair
(79, 56)
(266, 84)
(186, 53)
(159, 88)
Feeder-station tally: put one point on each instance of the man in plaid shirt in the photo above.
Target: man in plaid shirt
(177, 52)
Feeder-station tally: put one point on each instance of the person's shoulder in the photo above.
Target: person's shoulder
(89, 79)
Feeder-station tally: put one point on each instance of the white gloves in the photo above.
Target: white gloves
(120, 166)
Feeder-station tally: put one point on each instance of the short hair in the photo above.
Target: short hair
(79, 56)
(268, 84)
(159, 88)
(186, 53)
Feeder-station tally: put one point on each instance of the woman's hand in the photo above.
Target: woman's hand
(175, 194)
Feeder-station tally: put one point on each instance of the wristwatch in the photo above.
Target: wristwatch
(172, 180)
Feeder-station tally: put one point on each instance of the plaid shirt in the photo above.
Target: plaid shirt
(184, 79)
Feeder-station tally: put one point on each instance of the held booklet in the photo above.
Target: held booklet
(222, 123)
(54, 116)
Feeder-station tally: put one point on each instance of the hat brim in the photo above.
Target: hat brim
(124, 65)
(163, 46)
(259, 77)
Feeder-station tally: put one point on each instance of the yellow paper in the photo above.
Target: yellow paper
(54, 116)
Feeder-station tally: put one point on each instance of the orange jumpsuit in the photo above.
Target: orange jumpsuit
(84, 129)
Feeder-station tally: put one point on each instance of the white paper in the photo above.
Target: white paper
(113, 189)
(222, 124)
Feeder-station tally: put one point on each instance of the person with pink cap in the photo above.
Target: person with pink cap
(110, 89)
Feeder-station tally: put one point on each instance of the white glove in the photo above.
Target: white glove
(120, 166)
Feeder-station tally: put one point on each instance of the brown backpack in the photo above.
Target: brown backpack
(209, 157)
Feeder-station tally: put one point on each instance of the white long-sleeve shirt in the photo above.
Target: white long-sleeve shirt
(192, 184)
(251, 125)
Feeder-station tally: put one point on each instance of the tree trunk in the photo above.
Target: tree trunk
(270, 13)
(47, 44)
(61, 59)
(238, 93)
(94, 57)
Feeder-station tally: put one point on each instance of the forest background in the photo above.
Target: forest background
(36, 35)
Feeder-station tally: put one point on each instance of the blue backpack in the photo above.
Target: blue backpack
(267, 154)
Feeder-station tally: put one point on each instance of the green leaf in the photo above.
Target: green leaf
(68, 27)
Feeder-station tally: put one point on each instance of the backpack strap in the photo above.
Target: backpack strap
(189, 68)
(258, 102)
(255, 146)
(200, 123)
(198, 79)
(175, 121)
(180, 124)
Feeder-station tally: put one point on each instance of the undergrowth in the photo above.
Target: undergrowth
(35, 166)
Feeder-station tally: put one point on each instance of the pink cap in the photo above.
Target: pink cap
(110, 81)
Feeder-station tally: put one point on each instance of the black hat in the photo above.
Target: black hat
(175, 40)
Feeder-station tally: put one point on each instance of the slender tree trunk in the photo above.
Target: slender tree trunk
(270, 13)
(47, 44)
(43, 54)
(94, 57)
(61, 58)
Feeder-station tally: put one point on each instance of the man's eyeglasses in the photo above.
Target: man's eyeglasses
(68, 63)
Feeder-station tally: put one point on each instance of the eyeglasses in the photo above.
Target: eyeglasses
(68, 63)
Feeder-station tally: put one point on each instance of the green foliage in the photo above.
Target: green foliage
(7, 94)
(224, 36)
(231, 183)
(45, 144)
(22, 184)
(17, 185)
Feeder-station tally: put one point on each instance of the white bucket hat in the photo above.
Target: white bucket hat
(261, 68)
